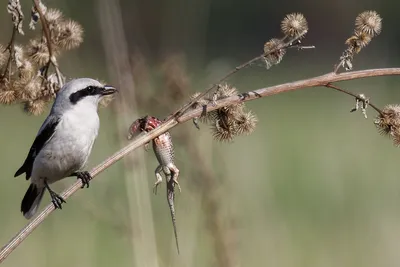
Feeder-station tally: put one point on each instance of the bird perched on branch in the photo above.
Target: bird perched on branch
(64, 142)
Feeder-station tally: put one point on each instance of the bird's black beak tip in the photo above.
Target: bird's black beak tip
(109, 90)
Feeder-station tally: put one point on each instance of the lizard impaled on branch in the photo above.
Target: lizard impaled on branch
(164, 150)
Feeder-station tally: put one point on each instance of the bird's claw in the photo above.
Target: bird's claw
(85, 178)
(57, 200)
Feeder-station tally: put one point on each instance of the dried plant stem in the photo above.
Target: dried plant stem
(10, 47)
(183, 109)
(322, 81)
(329, 85)
(47, 34)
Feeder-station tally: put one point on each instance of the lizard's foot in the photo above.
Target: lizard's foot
(156, 184)
(175, 181)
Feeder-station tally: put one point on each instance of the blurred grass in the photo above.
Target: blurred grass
(315, 185)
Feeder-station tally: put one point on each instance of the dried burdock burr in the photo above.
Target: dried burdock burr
(294, 25)
(388, 123)
(369, 22)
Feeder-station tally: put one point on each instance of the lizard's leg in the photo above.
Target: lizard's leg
(175, 174)
(158, 178)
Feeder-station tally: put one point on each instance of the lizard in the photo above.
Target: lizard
(164, 151)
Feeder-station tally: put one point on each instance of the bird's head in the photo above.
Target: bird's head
(83, 92)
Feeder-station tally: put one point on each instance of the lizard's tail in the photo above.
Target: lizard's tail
(170, 198)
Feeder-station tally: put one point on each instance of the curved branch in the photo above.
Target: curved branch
(190, 114)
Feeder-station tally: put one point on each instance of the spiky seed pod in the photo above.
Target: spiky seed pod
(225, 90)
(273, 52)
(28, 90)
(294, 25)
(358, 41)
(245, 123)
(69, 35)
(53, 17)
(223, 131)
(35, 107)
(7, 97)
(38, 52)
(369, 22)
(199, 103)
(26, 71)
(388, 122)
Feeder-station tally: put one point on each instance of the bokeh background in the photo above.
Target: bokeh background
(314, 185)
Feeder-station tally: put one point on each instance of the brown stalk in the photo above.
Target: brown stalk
(329, 85)
(47, 34)
(319, 81)
(183, 109)
(10, 47)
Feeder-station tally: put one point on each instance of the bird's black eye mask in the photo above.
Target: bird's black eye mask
(90, 90)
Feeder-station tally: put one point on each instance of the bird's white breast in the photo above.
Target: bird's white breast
(70, 147)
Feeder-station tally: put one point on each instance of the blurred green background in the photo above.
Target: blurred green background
(314, 185)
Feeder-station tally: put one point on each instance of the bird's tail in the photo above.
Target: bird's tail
(31, 201)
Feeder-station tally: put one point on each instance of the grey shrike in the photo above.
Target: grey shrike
(64, 142)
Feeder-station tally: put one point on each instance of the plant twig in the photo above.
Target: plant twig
(183, 109)
(47, 34)
(329, 85)
(322, 81)
(10, 48)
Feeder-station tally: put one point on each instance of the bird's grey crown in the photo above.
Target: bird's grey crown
(76, 85)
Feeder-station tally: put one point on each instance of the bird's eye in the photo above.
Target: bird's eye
(91, 90)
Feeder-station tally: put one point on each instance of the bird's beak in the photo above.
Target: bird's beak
(108, 90)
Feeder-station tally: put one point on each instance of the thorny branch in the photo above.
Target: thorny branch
(319, 81)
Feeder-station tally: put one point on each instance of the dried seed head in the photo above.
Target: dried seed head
(53, 16)
(388, 123)
(69, 35)
(28, 90)
(223, 131)
(38, 52)
(7, 97)
(199, 103)
(26, 71)
(273, 52)
(224, 91)
(294, 25)
(35, 107)
(14, 8)
(245, 123)
(369, 22)
(358, 40)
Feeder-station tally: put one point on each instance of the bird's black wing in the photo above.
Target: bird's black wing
(46, 132)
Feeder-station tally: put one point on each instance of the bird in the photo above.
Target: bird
(64, 142)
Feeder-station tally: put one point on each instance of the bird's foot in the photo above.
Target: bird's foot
(85, 178)
(56, 199)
